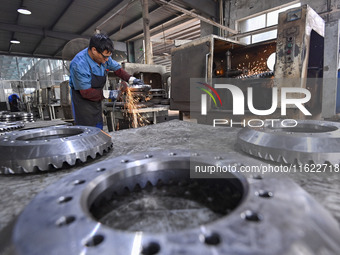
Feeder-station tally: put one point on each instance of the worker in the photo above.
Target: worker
(88, 72)
(13, 101)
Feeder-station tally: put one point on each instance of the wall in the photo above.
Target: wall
(237, 9)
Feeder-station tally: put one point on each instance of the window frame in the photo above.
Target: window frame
(266, 28)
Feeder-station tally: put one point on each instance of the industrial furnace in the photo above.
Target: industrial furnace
(298, 63)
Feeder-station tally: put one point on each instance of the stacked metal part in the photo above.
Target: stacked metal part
(9, 122)
(152, 205)
(10, 116)
(310, 141)
(27, 117)
(16, 116)
(48, 148)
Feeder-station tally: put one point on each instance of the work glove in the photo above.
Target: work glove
(114, 95)
(135, 81)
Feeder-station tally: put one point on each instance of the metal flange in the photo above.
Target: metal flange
(310, 141)
(270, 216)
(41, 149)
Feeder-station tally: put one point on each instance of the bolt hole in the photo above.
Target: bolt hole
(100, 169)
(65, 220)
(94, 240)
(64, 199)
(172, 154)
(257, 177)
(151, 249)
(148, 156)
(124, 161)
(212, 239)
(251, 216)
(264, 194)
(78, 182)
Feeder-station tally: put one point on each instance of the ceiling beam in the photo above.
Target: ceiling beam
(54, 24)
(39, 31)
(207, 7)
(131, 22)
(159, 28)
(103, 14)
(125, 6)
(97, 20)
(194, 15)
(155, 26)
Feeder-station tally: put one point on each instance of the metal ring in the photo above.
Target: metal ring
(272, 216)
(41, 149)
(310, 141)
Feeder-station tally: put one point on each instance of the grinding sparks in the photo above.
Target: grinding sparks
(131, 111)
(253, 68)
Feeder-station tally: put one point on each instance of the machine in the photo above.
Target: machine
(298, 64)
(142, 105)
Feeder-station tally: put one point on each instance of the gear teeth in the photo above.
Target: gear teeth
(57, 165)
(71, 161)
(7, 170)
(24, 170)
(82, 158)
(137, 188)
(269, 157)
(297, 162)
(92, 155)
(148, 185)
(281, 159)
(53, 159)
(259, 154)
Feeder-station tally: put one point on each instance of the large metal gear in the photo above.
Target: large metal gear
(310, 141)
(8, 126)
(41, 149)
(249, 216)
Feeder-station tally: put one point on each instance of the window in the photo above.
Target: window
(261, 21)
(29, 90)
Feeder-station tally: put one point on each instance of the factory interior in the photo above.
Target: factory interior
(230, 145)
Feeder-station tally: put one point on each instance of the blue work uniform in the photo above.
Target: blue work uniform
(85, 73)
(13, 102)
